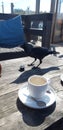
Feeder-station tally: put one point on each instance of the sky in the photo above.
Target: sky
(23, 4)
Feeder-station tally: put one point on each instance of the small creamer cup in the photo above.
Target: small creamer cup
(35, 86)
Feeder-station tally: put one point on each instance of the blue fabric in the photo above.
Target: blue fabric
(11, 33)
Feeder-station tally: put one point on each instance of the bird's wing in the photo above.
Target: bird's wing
(39, 52)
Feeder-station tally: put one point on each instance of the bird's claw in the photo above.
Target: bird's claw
(30, 64)
(34, 67)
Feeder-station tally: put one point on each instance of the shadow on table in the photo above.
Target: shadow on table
(58, 125)
(26, 74)
(34, 117)
(12, 55)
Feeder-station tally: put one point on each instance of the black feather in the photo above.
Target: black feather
(36, 52)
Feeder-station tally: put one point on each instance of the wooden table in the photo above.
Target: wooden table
(16, 116)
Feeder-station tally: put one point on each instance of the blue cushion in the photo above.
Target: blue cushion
(11, 32)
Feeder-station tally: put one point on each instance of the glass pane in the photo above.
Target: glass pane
(19, 6)
(45, 5)
(58, 31)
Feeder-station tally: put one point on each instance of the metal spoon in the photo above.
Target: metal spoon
(38, 102)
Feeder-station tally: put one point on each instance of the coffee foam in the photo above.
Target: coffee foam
(37, 80)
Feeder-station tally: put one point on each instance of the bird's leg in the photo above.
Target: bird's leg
(39, 63)
(32, 63)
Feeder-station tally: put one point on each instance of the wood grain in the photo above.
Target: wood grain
(16, 116)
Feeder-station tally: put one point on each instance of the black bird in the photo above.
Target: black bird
(36, 52)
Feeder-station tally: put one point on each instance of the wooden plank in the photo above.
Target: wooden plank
(33, 31)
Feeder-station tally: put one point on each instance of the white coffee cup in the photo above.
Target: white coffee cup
(37, 86)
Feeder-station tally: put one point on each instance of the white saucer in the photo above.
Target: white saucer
(48, 99)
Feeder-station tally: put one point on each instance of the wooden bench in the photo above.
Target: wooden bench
(31, 26)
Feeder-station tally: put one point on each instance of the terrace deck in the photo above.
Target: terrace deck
(16, 116)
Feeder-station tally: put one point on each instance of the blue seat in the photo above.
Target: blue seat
(11, 32)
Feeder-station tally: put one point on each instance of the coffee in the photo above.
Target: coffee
(37, 80)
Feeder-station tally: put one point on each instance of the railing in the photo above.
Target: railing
(31, 26)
